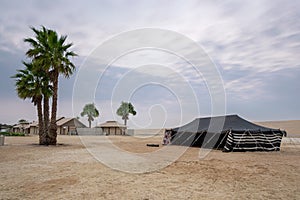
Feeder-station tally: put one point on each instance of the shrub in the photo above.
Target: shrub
(5, 133)
(12, 134)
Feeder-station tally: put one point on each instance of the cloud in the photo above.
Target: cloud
(239, 32)
(254, 44)
(263, 40)
(244, 89)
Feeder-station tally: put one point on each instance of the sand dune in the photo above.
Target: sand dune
(292, 127)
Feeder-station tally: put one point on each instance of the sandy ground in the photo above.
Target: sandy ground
(292, 127)
(68, 171)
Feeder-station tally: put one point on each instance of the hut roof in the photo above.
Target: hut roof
(112, 124)
(62, 121)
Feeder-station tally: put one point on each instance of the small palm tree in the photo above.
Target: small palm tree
(124, 110)
(52, 53)
(91, 112)
(31, 84)
(22, 121)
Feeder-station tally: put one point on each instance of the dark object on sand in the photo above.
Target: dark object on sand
(152, 145)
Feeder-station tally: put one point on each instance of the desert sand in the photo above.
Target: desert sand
(68, 171)
(292, 127)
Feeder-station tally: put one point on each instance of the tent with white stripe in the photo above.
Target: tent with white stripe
(228, 133)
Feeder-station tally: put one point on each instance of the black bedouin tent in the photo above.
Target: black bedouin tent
(228, 133)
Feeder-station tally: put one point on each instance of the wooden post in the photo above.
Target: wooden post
(2, 140)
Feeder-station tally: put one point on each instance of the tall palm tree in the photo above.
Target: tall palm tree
(50, 51)
(31, 84)
(91, 112)
(124, 110)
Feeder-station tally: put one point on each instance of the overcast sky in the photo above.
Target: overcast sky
(255, 46)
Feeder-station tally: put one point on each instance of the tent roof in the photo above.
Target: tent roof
(214, 124)
(112, 124)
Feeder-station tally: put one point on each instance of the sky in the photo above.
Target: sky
(254, 45)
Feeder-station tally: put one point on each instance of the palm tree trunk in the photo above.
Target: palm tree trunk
(40, 121)
(90, 123)
(46, 119)
(53, 126)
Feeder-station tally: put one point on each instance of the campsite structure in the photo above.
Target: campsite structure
(26, 128)
(113, 128)
(68, 126)
(229, 133)
(65, 126)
